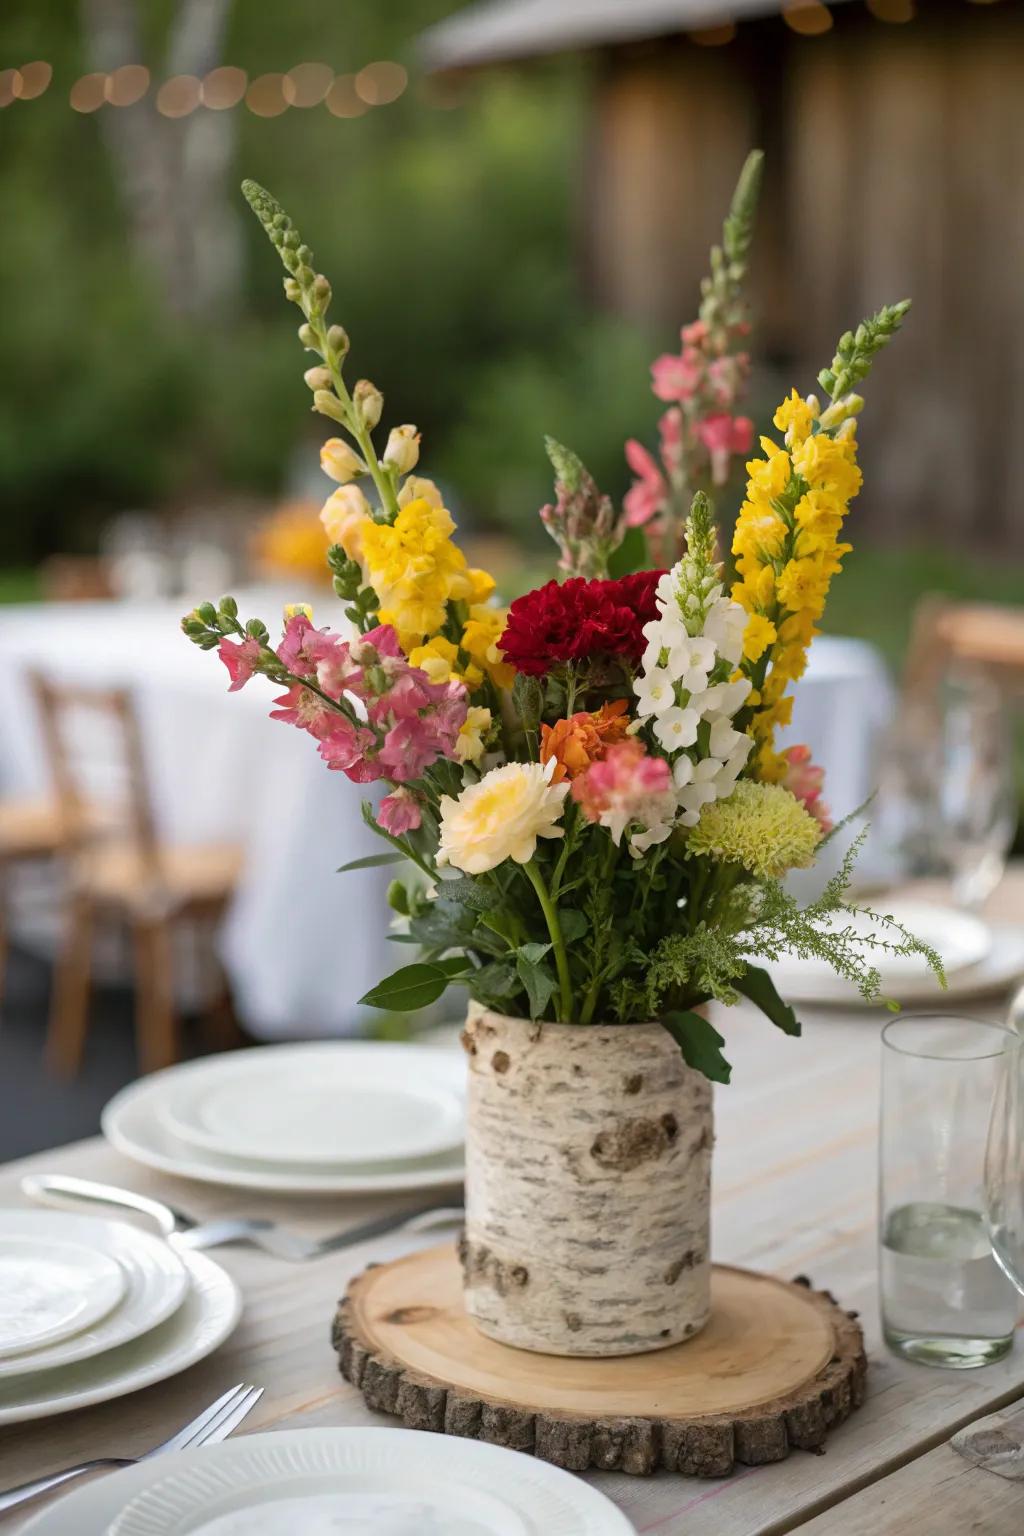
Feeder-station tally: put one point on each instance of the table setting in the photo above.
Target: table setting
(475, 1286)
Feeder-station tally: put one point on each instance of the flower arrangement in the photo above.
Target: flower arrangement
(587, 785)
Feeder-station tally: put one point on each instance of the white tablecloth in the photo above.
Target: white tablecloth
(302, 943)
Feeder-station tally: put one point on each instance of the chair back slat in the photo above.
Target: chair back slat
(94, 751)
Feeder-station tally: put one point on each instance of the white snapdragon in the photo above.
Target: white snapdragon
(684, 687)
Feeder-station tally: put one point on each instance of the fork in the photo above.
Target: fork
(183, 1232)
(213, 1424)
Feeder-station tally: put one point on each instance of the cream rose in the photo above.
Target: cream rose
(501, 817)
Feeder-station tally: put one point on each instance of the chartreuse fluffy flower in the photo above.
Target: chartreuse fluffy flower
(787, 542)
(763, 827)
(501, 818)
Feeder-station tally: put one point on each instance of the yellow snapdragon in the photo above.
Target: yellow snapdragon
(415, 568)
(787, 548)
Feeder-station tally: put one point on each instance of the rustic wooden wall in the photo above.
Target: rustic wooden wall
(896, 167)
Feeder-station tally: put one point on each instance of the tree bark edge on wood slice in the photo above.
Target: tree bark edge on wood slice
(694, 1446)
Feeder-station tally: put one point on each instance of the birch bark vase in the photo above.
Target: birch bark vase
(588, 1187)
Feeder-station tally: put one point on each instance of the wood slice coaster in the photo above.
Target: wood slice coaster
(777, 1366)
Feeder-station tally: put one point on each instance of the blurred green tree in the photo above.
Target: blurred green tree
(145, 353)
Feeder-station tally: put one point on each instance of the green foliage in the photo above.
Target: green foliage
(411, 988)
(370, 861)
(700, 1043)
(738, 229)
(417, 211)
(857, 349)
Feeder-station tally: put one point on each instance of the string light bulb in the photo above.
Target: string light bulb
(178, 96)
(342, 101)
(380, 83)
(35, 78)
(265, 96)
(808, 17)
(10, 86)
(714, 37)
(223, 87)
(88, 93)
(127, 85)
(307, 84)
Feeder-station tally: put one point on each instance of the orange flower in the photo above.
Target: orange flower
(582, 739)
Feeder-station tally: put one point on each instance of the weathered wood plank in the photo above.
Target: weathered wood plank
(936, 1493)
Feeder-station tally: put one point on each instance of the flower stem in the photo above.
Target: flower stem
(385, 488)
(557, 942)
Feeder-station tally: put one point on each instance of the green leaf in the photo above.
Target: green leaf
(700, 1044)
(508, 926)
(758, 986)
(496, 982)
(454, 965)
(473, 894)
(370, 861)
(573, 924)
(539, 982)
(402, 938)
(442, 926)
(533, 954)
(414, 986)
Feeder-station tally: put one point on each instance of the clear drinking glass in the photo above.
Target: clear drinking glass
(944, 1299)
(1004, 1164)
(947, 800)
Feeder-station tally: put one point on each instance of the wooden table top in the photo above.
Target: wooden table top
(795, 1174)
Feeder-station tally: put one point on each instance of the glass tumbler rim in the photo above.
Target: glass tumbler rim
(895, 1025)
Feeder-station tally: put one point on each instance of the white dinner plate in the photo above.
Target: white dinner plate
(206, 1317)
(153, 1277)
(1000, 967)
(336, 1107)
(52, 1283)
(338, 1482)
(133, 1125)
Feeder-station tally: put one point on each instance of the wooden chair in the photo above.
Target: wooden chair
(31, 831)
(118, 868)
(967, 637)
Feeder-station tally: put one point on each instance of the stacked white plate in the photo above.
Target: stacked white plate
(322, 1482)
(91, 1309)
(344, 1117)
(978, 958)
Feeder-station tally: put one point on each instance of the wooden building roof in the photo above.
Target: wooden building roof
(494, 31)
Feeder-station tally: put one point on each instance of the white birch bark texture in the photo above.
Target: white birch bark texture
(588, 1187)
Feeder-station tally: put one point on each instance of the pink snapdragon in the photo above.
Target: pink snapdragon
(401, 811)
(629, 788)
(241, 657)
(648, 495)
(677, 377)
(301, 707)
(805, 780)
(700, 436)
(346, 748)
(409, 721)
(724, 436)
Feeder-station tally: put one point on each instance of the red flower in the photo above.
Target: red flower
(576, 619)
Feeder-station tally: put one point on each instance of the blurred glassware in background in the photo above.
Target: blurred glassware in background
(1004, 1156)
(134, 548)
(204, 545)
(946, 794)
(944, 1299)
